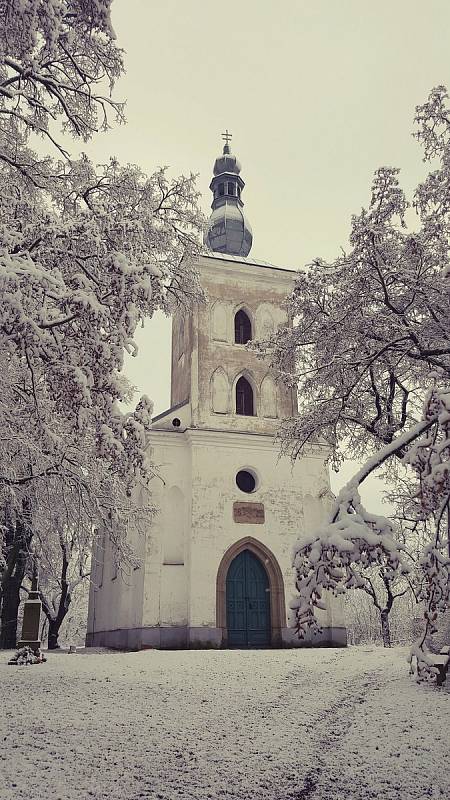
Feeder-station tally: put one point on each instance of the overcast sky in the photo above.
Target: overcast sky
(316, 94)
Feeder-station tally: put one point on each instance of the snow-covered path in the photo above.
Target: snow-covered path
(278, 725)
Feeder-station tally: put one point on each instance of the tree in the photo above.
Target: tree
(383, 590)
(58, 62)
(86, 254)
(362, 618)
(370, 353)
(76, 282)
(63, 559)
(57, 587)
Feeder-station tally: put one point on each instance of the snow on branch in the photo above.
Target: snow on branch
(58, 61)
(327, 559)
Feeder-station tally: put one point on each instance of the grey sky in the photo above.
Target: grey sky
(316, 94)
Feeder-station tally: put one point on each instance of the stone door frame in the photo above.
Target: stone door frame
(276, 587)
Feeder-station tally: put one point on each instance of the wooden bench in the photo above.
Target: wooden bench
(441, 662)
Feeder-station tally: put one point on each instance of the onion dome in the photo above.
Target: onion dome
(226, 162)
(228, 230)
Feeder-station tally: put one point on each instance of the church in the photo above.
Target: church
(215, 566)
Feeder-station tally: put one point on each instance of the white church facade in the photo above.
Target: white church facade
(216, 563)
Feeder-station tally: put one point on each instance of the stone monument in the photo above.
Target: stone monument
(31, 619)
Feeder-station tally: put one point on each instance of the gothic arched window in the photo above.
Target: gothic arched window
(242, 328)
(244, 398)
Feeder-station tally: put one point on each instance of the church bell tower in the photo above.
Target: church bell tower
(227, 385)
(216, 562)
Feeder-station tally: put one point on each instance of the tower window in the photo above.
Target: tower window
(221, 189)
(244, 398)
(239, 191)
(231, 188)
(242, 328)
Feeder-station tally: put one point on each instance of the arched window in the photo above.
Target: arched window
(230, 188)
(242, 328)
(221, 189)
(244, 398)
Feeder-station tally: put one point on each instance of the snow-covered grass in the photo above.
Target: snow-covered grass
(272, 724)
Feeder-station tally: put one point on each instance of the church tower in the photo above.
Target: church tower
(216, 564)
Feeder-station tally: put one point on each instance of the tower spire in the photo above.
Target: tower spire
(228, 230)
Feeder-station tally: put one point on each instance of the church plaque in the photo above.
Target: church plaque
(252, 513)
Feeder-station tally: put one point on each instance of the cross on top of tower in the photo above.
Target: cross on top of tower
(227, 136)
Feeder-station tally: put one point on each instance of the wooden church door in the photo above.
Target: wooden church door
(248, 602)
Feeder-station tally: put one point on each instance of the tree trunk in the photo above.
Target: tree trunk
(8, 619)
(10, 609)
(53, 633)
(448, 529)
(11, 603)
(385, 630)
(54, 623)
(17, 538)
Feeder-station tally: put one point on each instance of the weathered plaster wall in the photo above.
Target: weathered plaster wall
(182, 347)
(260, 292)
(203, 464)
(206, 361)
(116, 594)
(216, 458)
(165, 600)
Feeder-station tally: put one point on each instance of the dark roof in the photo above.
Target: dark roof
(169, 410)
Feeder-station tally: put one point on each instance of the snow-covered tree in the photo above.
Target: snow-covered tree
(362, 618)
(80, 513)
(80, 268)
(86, 254)
(383, 589)
(370, 354)
(76, 280)
(58, 65)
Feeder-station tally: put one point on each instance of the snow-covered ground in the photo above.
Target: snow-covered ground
(272, 724)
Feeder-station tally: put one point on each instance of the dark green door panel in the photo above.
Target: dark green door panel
(248, 602)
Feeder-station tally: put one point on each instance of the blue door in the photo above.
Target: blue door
(248, 602)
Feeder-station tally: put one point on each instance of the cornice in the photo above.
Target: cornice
(213, 437)
(170, 437)
(265, 273)
(248, 261)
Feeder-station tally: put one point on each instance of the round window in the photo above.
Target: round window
(246, 481)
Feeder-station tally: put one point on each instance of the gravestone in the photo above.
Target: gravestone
(31, 619)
